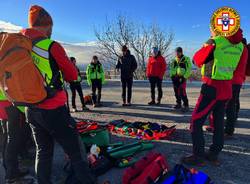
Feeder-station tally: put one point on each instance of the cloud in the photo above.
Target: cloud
(178, 41)
(9, 27)
(196, 26)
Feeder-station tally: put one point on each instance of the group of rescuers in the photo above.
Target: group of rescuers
(224, 66)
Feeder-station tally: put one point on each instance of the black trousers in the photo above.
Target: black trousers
(180, 91)
(56, 124)
(4, 140)
(76, 87)
(207, 103)
(96, 85)
(127, 89)
(16, 134)
(156, 81)
(232, 110)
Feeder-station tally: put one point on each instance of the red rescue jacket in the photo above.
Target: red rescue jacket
(224, 88)
(156, 67)
(68, 69)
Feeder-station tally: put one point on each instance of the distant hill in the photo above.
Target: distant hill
(83, 52)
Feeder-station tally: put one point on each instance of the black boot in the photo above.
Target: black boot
(177, 106)
(151, 102)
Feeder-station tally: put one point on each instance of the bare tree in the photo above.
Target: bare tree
(138, 37)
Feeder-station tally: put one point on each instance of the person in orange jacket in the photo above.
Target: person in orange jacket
(156, 69)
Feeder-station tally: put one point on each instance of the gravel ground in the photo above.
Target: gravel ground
(236, 153)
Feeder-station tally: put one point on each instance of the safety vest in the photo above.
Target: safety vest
(46, 65)
(95, 72)
(181, 68)
(226, 59)
(2, 96)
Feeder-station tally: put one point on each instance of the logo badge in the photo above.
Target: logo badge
(225, 21)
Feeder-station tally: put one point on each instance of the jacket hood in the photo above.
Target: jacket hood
(32, 33)
(237, 37)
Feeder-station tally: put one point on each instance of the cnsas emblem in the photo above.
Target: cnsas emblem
(225, 21)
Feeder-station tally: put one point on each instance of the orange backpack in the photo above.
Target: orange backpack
(88, 99)
(20, 80)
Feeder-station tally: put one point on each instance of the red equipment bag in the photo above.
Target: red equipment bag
(147, 170)
(86, 126)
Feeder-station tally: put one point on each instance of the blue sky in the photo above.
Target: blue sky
(74, 20)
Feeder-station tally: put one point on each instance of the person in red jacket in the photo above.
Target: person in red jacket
(156, 69)
(51, 120)
(233, 105)
(215, 92)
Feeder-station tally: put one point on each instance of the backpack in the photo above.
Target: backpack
(182, 175)
(20, 80)
(148, 170)
(88, 99)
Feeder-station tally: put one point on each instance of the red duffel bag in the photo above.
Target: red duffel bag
(147, 170)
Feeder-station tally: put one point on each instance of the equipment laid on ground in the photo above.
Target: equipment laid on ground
(148, 170)
(129, 150)
(92, 133)
(141, 130)
(182, 175)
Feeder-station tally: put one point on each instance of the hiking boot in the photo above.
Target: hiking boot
(84, 108)
(129, 104)
(177, 106)
(151, 103)
(193, 160)
(94, 105)
(185, 109)
(213, 159)
(124, 104)
(74, 110)
(158, 102)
